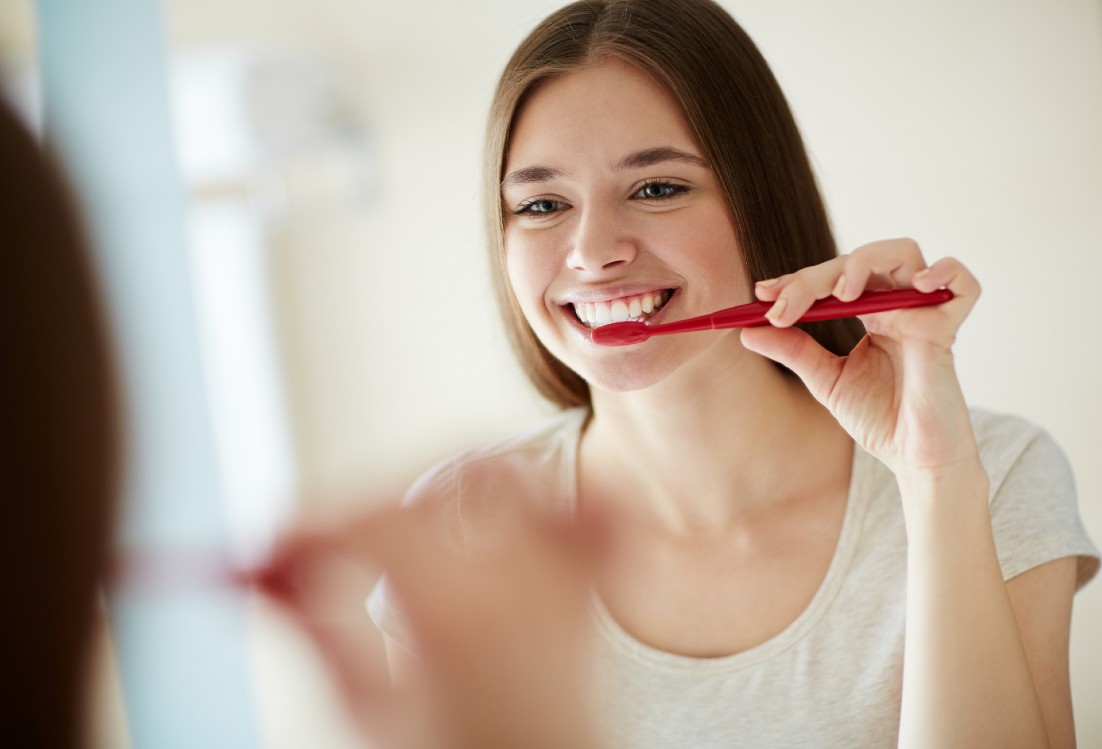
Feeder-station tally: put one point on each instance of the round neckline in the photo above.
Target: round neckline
(796, 630)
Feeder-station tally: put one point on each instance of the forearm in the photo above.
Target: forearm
(966, 680)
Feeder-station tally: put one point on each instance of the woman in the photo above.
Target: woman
(815, 542)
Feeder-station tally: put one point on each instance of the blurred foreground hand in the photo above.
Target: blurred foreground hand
(500, 634)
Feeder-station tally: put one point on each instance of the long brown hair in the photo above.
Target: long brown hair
(737, 113)
(59, 448)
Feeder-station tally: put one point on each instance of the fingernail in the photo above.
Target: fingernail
(839, 287)
(768, 282)
(922, 273)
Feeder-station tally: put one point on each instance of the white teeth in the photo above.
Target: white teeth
(619, 310)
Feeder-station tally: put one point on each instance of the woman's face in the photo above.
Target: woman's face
(611, 213)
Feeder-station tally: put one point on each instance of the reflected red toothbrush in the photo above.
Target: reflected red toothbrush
(753, 314)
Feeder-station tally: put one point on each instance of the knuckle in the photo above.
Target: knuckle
(909, 244)
(855, 261)
(912, 252)
(977, 289)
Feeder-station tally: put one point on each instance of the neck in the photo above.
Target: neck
(705, 447)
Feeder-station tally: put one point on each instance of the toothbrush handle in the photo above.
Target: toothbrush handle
(753, 314)
(875, 301)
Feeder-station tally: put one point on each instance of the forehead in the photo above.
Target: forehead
(598, 113)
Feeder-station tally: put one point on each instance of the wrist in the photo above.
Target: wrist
(965, 481)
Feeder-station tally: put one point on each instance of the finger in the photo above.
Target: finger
(322, 593)
(793, 348)
(768, 289)
(792, 295)
(937, 325)
(951, 274)
(888, 263)
(878, 265)
(381, 538)
(305, 545)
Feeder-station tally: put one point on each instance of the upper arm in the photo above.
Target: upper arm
(1041, 599)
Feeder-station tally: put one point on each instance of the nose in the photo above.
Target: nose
(600, 244)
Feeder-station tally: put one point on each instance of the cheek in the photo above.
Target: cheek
(531, 270)
(715, 254)
(526, 296)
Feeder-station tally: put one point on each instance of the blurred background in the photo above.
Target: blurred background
(330, 262)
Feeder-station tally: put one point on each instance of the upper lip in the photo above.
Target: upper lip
(608, 293)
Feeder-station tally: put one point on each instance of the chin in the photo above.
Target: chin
(626, 384)
(625, 372)
(645, 365)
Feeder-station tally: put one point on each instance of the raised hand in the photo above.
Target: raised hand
(499, 634)
(897, 392)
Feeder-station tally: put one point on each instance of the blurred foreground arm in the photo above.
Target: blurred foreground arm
(501, 635)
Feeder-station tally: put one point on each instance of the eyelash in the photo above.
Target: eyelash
(525, 208)
(673, 190)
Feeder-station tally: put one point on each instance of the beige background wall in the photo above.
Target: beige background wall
(974, 127)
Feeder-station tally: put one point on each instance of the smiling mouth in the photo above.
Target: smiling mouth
(637, 308)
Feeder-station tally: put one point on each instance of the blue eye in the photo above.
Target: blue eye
(659, 191)
(541, 206)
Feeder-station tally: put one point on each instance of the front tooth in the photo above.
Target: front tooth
(635, 308)
(648, 304)
(603, 313)
(619, 311)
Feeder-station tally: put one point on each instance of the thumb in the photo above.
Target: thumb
(793, 348)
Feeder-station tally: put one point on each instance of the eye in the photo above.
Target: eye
(540, 207)
(659, 190)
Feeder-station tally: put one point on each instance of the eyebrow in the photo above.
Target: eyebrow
(652, 156)
(637, 160)
(530, 174)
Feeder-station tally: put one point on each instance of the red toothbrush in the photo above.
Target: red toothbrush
(753, 314)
